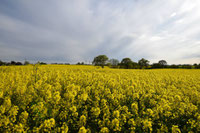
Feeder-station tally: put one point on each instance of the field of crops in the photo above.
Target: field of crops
(60, 98)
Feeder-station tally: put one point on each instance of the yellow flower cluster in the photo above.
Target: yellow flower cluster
(60, 98)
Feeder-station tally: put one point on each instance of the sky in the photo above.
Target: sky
(71, 31)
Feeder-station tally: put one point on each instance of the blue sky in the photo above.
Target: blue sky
(79, 30)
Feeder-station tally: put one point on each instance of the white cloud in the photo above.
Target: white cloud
(71, 31)
(173, 14)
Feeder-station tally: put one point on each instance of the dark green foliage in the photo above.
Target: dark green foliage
(143, 63)
(126, 63)
(162, 63)
(26, 62)
(113, 62)
(100, 60)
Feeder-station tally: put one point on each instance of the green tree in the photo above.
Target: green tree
(113, 62)
(100, 60)
(143, 63)
(26, 62)
(13, 63)
(162, 63)
(126, 63)
(2, 63)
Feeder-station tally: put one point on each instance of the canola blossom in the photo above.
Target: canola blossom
(84, 99)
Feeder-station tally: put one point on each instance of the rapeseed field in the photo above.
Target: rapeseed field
(61, 98)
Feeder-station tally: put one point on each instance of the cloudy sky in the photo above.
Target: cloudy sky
(79, 30)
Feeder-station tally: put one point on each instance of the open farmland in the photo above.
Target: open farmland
(60, 98)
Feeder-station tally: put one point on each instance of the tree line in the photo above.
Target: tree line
(127, 63)
(18, 63)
